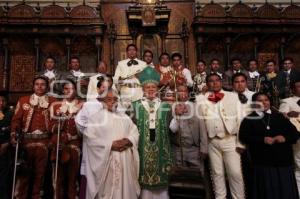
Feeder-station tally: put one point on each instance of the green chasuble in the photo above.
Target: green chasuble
(155, 156)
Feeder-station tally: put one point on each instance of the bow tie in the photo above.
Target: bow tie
(132, 62)
(243, 99)
(215, 97)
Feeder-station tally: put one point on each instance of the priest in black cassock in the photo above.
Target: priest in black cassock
(269, 137)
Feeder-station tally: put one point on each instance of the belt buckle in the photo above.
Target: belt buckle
(37, 132)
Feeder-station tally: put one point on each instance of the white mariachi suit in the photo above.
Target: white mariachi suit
(220, 122)
(287, 105)
(130, 89)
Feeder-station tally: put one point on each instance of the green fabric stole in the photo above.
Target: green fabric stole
(155, 157)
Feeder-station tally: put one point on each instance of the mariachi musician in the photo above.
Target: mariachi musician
(125, 78)
(182, 74)
(31, 118)
(66, 160)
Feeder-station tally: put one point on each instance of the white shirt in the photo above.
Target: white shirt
(253, 74)
(50, 74)
(289, 104)
(77, 73)
(261, 113)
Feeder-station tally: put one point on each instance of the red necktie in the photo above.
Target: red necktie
(215, 97)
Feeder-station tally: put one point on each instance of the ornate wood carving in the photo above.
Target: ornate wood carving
(56, 48)
(241, 10)
(53, 11)
(2, 77)
(21, 11)
(291, 11)
(213, 10)
(85, 48)
(83, 11)
(1, 12)
(264, 57)
(268, 11)
(22, 73)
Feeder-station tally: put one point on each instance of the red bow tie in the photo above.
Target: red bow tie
(215, 97)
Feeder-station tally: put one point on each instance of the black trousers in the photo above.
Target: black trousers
(5, 171)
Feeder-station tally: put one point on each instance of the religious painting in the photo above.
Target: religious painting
(148, 16)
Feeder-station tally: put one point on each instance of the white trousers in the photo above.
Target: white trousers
(224, 158)
(297, 163)
(154, 194)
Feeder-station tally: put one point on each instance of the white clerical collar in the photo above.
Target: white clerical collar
(253, 74)
(148, 100)
(261, 113)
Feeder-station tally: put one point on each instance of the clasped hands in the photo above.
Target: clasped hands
(273, 140)
(121, 145)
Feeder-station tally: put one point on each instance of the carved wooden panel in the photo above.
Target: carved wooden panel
(241, 10)
(264, 57)
(214, 48)
(120, 50)
(175, 45)
(55, 47)
(21, 73)
(1, 12)
(268, 11)
(85, 49)
(292, 50)
(291, 11)
(213, 10)
(181, 11)
(83, 11)
(19, 45)
(109, 14)
(21, 11)
(2, 82)
(53, 11)
(270, 44)
(150, 42)
(242, 48)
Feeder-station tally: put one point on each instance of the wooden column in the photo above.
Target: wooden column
(68, 43)
(112, 36)
(185, 38)
(5, 65)
(37, 54)
(227, 55)
(99, 50)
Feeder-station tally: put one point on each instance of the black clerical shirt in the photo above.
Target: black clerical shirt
(253, 132)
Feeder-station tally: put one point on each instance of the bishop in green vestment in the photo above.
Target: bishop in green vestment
(152, 118)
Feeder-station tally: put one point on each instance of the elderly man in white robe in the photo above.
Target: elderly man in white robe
(112, 160)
